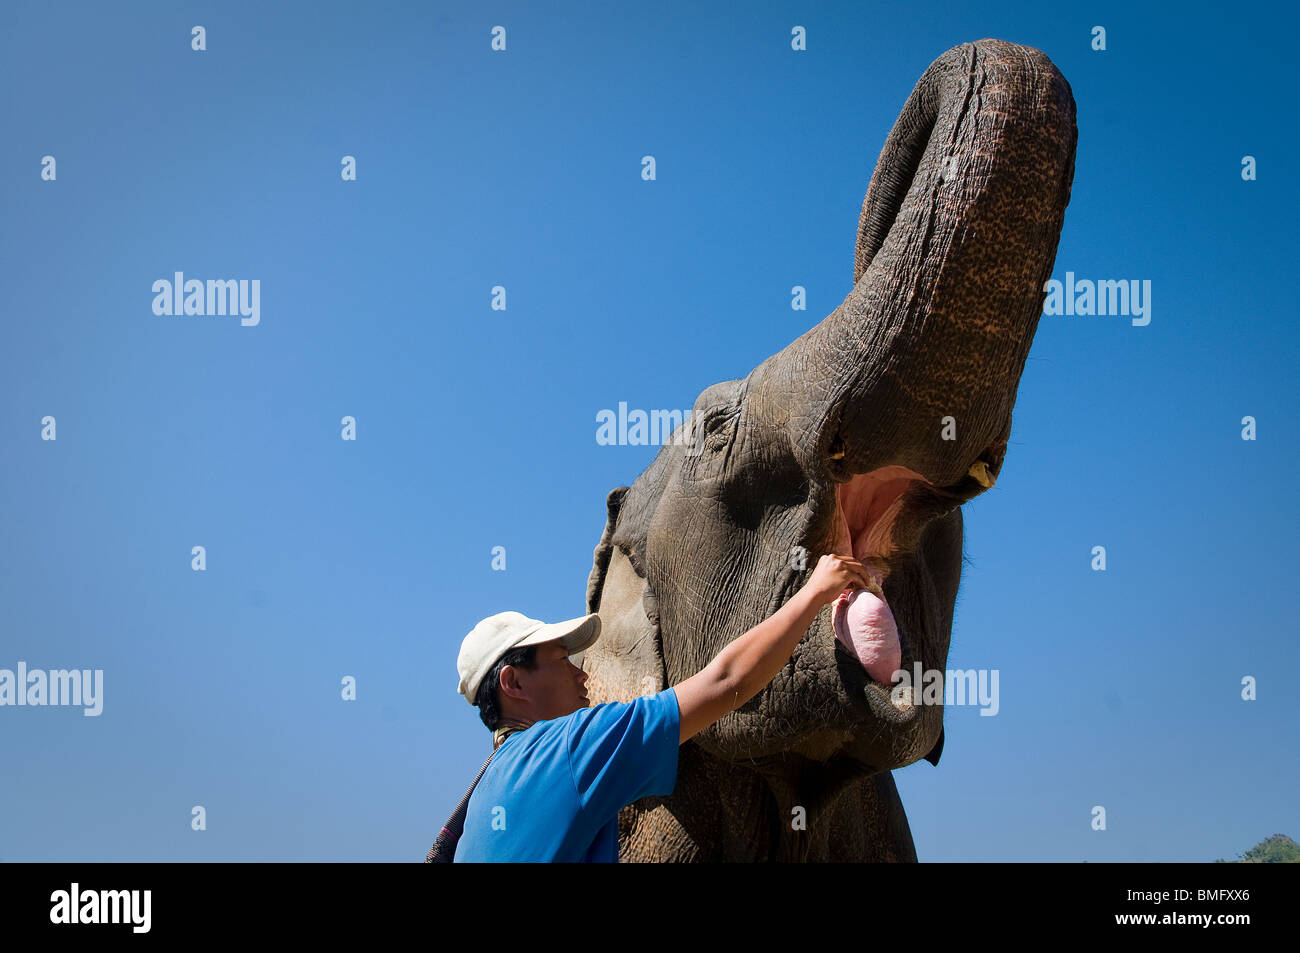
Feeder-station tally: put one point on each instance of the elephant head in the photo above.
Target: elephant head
(864, 435)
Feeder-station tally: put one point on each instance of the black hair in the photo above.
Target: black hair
(489, 699)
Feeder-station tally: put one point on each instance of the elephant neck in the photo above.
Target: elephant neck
(803, 793)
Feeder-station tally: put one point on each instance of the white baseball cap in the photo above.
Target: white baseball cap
(498, 634)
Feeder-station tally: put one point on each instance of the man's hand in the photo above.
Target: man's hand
(834, 574)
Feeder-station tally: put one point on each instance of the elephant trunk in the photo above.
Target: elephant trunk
(918, 368)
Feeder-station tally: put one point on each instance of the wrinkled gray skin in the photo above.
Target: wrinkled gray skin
(957, 237)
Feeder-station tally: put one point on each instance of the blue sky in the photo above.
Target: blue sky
(476, 428)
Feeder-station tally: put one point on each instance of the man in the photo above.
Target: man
(562, 770)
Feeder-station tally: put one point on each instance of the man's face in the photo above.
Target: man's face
(555, 688)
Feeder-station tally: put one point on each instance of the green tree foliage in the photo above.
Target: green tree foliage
(1278, 849)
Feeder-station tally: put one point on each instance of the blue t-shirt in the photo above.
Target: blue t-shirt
(554, 790)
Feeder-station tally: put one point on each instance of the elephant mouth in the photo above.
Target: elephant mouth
(867, 510)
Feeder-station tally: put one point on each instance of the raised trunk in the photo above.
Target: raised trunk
(957, 238)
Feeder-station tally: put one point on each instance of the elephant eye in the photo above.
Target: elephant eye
(712, 431)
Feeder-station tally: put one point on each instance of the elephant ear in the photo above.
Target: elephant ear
(627, 660)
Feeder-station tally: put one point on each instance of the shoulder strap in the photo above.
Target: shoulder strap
(443, 850)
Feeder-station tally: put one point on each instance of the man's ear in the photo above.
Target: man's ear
(509, 683)
(933, 756)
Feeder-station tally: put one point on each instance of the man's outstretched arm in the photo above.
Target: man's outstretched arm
(742, 669)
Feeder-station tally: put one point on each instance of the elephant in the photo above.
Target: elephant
(864, 436)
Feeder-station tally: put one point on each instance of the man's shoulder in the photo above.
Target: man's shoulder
(647, 710)
(586, 725)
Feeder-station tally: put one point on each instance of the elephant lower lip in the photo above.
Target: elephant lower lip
(864, 624)
(884, 703)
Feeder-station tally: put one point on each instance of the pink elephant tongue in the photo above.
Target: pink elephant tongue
(864, 623)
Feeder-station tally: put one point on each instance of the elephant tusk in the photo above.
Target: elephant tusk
(980, 471)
